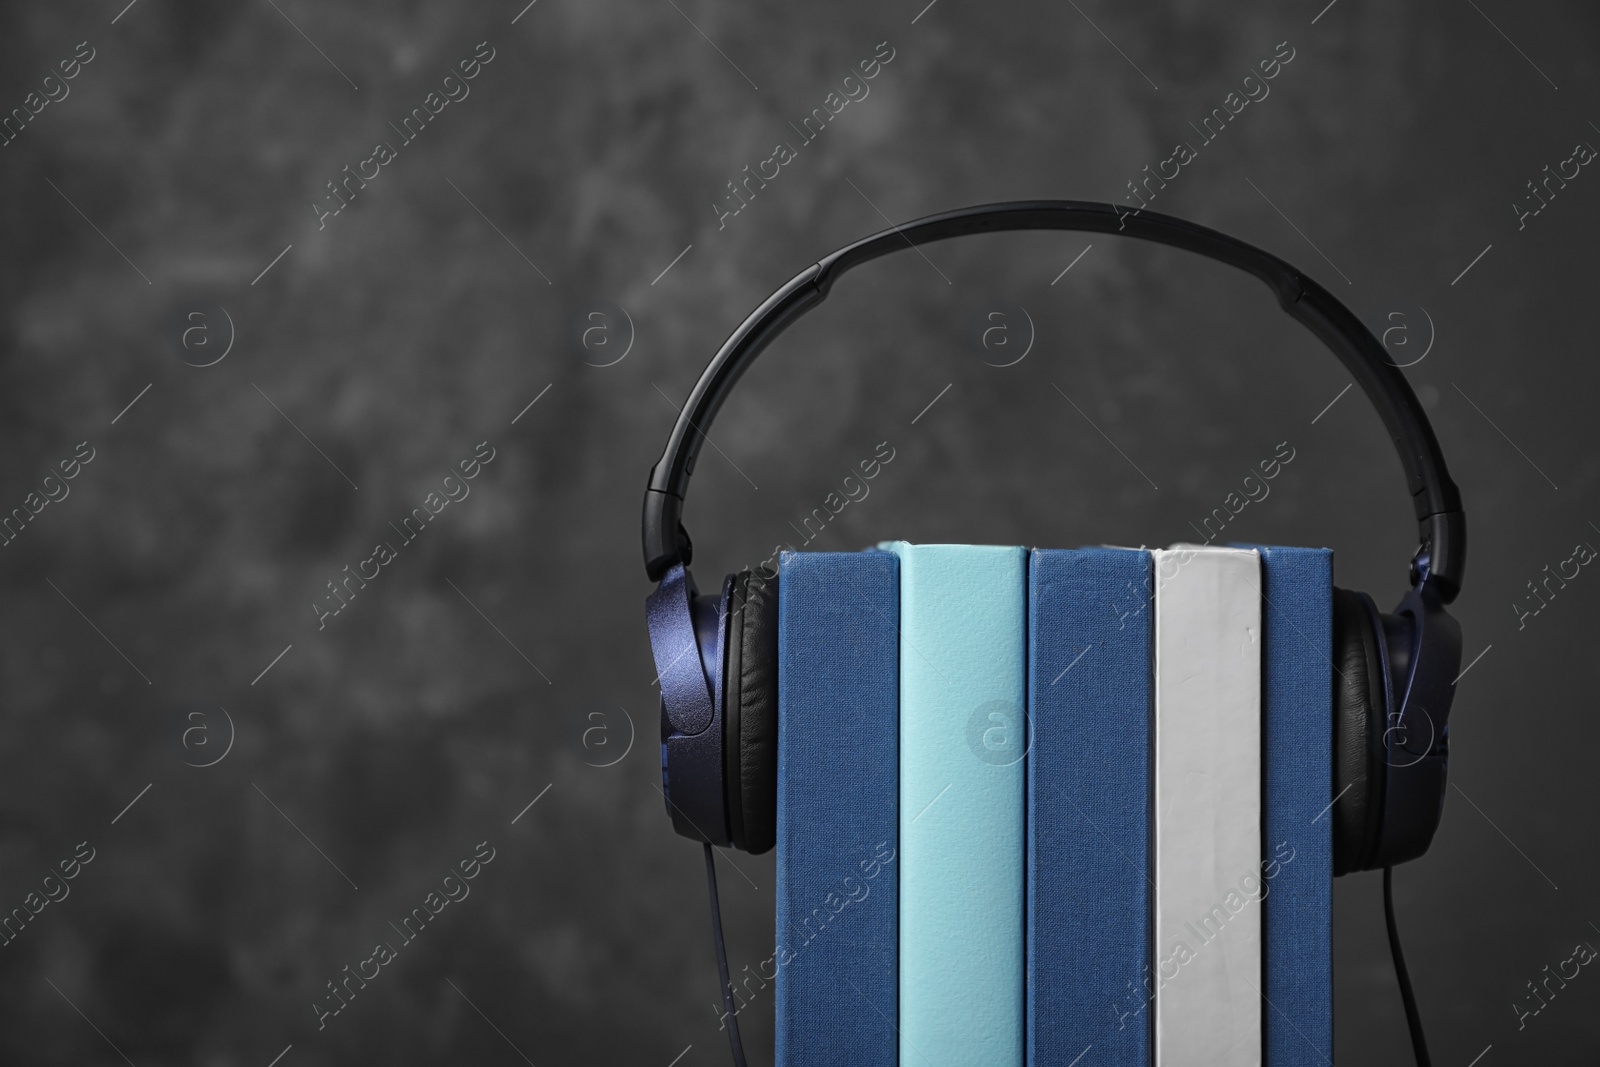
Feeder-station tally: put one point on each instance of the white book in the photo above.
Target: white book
(1206, 971)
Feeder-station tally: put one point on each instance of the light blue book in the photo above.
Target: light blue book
(963, 629)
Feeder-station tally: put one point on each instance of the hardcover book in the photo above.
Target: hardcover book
(962, 849)
(1089, 707)
(1207, 808)
(1297, 791)
(836, 958)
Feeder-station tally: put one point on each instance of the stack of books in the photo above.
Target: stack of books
(1055, 807)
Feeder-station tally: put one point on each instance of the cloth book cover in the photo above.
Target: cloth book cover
(837, 948)
(1207, 808)
(962, 799)
(1297, 819)
(1089, 706)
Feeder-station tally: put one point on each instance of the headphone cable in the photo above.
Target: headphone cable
(732, 1014)
(1419, 1042)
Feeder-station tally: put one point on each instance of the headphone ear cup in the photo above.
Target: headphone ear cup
(1360, 717)
(750, 687)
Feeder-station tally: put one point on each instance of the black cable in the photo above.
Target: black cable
(736, 1045)
(1419, 1043)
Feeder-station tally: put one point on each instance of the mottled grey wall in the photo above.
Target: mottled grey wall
(502, 655)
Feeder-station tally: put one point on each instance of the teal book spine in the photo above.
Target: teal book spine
(963, 656)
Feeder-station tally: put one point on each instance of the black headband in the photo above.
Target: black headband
(1443, 530)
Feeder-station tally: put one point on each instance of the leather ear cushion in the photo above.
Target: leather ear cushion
(758, 710)
(750, 699)
(1358, 721)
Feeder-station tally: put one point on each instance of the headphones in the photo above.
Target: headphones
(717, 656)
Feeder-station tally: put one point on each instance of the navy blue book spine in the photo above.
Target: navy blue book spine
(1088, 899)
(1297, 787)
(836, 952)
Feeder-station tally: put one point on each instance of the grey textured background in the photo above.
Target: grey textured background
(420, 721)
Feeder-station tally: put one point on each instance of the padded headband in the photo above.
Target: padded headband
(1441, 559)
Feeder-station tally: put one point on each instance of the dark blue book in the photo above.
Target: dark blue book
(1297, 791)
(837, 981)
(1089, 701)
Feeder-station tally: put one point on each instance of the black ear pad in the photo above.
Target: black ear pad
(1359, 719)
(750, 700)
